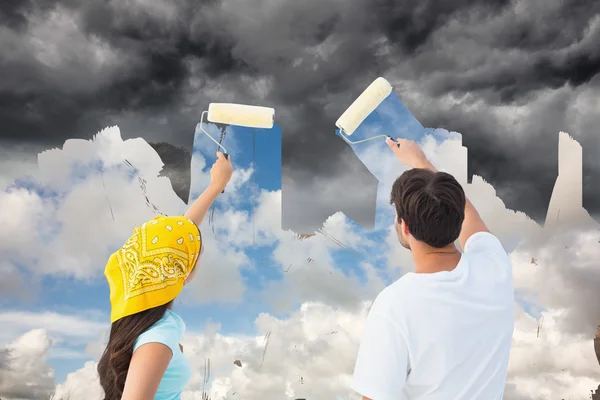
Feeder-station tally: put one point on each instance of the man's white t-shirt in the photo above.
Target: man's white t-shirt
(442, 336)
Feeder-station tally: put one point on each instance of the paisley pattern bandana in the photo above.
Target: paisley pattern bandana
(150, 268)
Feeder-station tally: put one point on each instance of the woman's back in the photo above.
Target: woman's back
(169, 330)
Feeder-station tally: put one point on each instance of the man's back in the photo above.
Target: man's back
(445, 335)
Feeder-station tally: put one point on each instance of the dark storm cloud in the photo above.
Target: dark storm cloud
(10, 13)
(170, 59)
(38, 104)
(410, 24)
(537, 55)
(522, 184)
(177, 167)
(152, 82)
(519, 57)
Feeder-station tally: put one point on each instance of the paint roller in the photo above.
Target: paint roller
(238, 115)
(358, 111)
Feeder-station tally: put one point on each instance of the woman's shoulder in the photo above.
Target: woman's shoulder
(165, 331)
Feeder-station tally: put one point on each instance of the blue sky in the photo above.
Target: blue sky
(68, 295)
(247, 146)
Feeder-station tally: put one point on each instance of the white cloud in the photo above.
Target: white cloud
(555, 364)
(303, 357)
(310, 270)
(33, 338)
(16, 163)
(25, 373)
(560, 271)
(15, 284)
(218, 277)
(81, 384)
(303, 346)
(69, 215)
(549, 364)
(315, 342)
(311, 355)
(59, 327)
(78, 214)
(19, 209)
(237, 230)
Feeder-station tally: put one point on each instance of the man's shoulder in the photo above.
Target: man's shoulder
(395, 296)
(486, 249)
(486, 243)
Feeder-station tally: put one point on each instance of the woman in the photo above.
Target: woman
(143, 359)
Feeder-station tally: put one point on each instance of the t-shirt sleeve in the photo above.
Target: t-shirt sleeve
(485, 242)
(382, 364)
(164, 334)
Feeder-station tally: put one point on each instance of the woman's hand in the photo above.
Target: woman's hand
(220, 174)
(221, 171)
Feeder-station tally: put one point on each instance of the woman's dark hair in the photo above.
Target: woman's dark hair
(115, 360)
(432, 204)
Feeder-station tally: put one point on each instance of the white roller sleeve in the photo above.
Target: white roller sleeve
(241, 115)
(364, 105)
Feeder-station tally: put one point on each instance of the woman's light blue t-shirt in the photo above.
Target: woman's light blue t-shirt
(169, 330)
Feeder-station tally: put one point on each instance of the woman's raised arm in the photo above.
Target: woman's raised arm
(220, 174)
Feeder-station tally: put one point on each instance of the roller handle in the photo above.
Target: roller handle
(394, 140)
(227, 158)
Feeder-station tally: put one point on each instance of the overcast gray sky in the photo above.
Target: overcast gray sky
(508, 75)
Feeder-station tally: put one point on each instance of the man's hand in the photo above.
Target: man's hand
(221, 171)
(409, 153)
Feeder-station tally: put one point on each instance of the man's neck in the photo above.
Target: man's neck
(429, 260)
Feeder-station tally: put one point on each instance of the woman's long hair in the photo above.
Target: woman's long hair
(115, 360)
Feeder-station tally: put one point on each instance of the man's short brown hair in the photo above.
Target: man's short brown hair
(432, 204)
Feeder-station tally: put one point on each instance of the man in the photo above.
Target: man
(443, 332)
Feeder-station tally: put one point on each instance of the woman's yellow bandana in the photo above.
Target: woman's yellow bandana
(151, 267)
